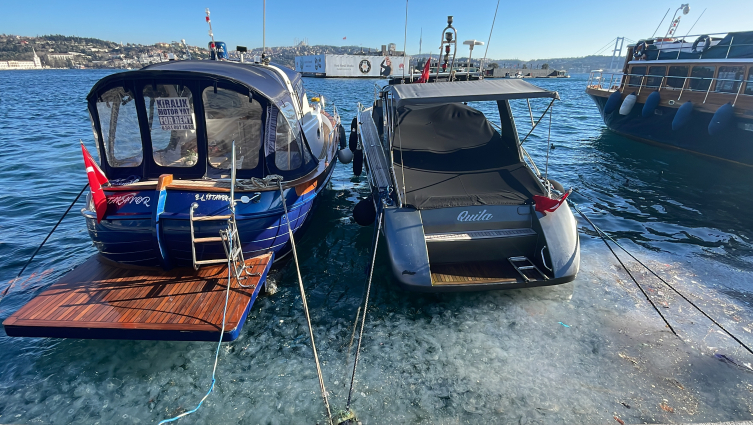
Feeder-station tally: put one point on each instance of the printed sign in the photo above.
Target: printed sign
(174, 113)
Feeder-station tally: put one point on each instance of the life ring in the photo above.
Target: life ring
(706, 43)
(640, 49)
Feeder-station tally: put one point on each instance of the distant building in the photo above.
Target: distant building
(35, 63)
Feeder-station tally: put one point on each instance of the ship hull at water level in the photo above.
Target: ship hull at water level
(734, 144)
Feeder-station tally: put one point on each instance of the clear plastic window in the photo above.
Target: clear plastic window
(701, 77)
(636, 76)
(655, 76)
(288, 155)
(120, 128)
(729, 79)
(172, 124)
(232, 116)
(677, 76)
(749, 84)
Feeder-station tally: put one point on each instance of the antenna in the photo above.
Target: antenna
(696, 21)
(662, 21)
(685, 7)
(264, 30)
(481, 65)
(405, 38)
(211, 34)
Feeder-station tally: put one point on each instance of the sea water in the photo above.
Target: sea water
(583, 352)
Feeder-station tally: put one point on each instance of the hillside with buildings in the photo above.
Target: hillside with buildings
(59, 51)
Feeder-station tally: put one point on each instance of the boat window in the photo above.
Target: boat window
(656, 75)
(729, 79)
(679, 72)
(96, 138)
(288, 149)
(172, 125)
(636, 76)
(749, 84)
(230, 116)
(120, 128)
(700, 77)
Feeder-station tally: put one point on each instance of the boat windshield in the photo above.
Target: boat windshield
(172, 125)
(120, 128)
(232, 116)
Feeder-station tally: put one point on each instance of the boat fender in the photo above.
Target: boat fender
(343, 137)
(353, 141)
(722, 119)
(557, 186)
(364, 212)
(682, 116)
(651, 103)
(345, 155)
(613, 102)
(628, 103)
(357, 162)
(706, 44)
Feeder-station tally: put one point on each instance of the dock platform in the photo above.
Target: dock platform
(98, 300)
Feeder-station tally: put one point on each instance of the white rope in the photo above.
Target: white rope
(365, 308)
(305, 305)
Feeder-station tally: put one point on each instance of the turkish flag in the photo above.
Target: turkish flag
(425, 74)
(96, 180)
(545, 204)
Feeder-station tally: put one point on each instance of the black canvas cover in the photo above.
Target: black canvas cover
(450, 156)
(467, 91)
(741, 47)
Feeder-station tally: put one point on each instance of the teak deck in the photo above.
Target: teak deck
(101, 301)
(473, 273)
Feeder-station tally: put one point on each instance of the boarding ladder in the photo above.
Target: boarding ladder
(523, 265)
(229, 237)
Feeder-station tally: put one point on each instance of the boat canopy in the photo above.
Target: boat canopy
(181, 118)
(467, 91)
(449, 155)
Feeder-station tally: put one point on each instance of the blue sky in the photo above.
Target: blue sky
(524, 29)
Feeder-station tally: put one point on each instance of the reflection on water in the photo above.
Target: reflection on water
(583, 352)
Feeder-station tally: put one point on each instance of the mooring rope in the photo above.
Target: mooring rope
(219, 343)
(600, 233)
(365, 308)
(5, 292)
(305, 305)
(537, 122)
(605, 235)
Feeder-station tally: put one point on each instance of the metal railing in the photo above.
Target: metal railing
(679, 44)
(616, 81)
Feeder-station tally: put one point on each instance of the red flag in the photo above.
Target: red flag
(545, 204)
(96, 180)
(425, 74)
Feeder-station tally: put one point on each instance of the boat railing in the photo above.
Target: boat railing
(680, 44)
(638, 83)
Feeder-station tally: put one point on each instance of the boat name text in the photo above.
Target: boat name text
(481, 216)
(212, 197)
(129, 198)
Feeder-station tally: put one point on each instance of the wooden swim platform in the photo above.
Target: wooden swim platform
(98, 300)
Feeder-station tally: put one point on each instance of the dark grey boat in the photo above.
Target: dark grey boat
(462, 209)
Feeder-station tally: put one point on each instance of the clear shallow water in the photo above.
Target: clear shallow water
(493, 357)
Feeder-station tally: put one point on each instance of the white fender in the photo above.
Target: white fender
(627, 104)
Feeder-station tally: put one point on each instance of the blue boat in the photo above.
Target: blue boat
(693, 93)
(164, 135)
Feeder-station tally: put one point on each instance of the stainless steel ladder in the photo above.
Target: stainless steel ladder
(528, 265)
(229, 237)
